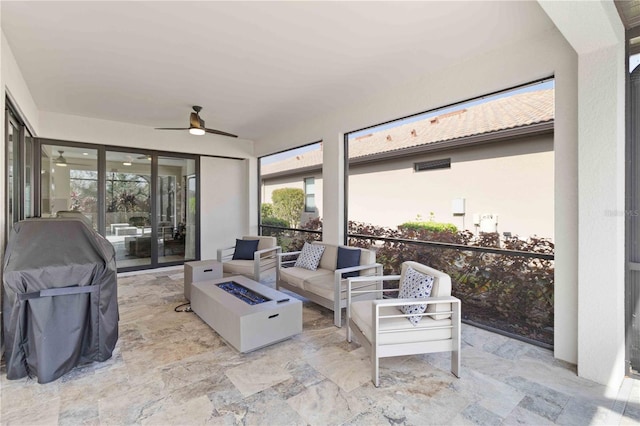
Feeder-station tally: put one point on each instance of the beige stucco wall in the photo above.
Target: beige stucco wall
(513, 179)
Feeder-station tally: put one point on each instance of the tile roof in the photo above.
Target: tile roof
(504, 113)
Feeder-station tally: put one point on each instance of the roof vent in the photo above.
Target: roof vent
(388, 138)
(414, 133)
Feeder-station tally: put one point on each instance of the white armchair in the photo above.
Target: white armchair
(385, 331)
(264, 258)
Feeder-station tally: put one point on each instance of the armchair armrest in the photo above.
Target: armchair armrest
(415, 301)
(221, 255)
(259, 253)
(451, 300)
(260, 260)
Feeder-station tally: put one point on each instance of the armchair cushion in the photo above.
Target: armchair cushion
(310, 256)
(245, 249)
(348, 258)
(415, 285)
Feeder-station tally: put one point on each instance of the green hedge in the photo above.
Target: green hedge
(428, 226)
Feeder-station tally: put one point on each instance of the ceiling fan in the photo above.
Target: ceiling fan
(61, 161)
(196, 125)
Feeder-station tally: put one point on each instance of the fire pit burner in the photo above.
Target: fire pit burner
(241, 292)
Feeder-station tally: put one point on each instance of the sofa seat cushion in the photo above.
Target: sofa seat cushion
(361, 315)
(298, 276)
(325, 288)
(238, 267)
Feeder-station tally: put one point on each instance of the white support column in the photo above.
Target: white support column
(595, 32)
(333, 189)
(253, 186)
(601, 337)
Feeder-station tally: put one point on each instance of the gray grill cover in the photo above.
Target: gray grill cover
(60, 298)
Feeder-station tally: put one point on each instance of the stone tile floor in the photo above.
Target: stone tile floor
(170, 368)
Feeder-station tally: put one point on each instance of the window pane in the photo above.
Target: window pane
(291, 194)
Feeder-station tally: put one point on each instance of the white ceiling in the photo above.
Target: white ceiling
(255, 67)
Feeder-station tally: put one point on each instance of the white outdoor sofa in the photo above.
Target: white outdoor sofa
(324, 286)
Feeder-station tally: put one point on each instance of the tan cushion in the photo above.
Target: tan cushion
(329, 259)
(362, 316)
(367, 257)
(265, 241)
(441, 287)
(297, 276)
(324, 287)
(241, 267)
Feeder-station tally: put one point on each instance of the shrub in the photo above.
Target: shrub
(266, 210)
(288, 204)
(429, 226)
(274, 221)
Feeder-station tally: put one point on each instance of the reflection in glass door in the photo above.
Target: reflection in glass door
(128, 207)
(175, 209)
(69, 181)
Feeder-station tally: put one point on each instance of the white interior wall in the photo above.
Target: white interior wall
(223, 203)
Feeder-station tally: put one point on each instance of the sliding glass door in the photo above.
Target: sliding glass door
(128, 207)
(175, 209)
(143, 202)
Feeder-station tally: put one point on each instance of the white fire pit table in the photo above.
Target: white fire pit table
(247, 314)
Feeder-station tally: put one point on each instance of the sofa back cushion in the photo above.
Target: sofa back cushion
(329, 258)
(265, 242)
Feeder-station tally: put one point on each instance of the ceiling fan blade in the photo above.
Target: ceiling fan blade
(172, 128)
(218, 132)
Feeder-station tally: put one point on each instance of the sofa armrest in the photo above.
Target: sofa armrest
(338, 277)
(377, 266)
(281, 256)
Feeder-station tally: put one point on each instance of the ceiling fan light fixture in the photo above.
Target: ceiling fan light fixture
(196, 131)
(60, 161)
